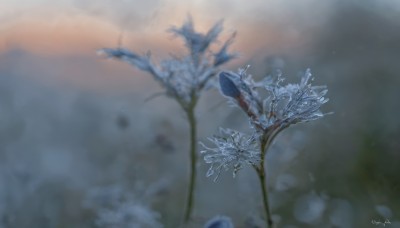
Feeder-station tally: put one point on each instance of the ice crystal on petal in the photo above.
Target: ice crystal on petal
(233, 150)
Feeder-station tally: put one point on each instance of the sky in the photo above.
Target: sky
(69, 26)
(55, 42)
(52, 36)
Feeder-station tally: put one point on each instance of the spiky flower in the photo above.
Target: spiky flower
(233, 149)
(184, 78)
(283, 106)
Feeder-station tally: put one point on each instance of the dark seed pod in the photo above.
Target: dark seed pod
(228, 87)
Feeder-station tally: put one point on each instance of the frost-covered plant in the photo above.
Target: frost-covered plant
(184, 78)
(283, 106)
(115, 207)
(239, 149)
(128, 214)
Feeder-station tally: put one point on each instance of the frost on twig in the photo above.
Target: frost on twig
(184, 78)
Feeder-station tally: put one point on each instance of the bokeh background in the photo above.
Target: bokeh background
(81, 147)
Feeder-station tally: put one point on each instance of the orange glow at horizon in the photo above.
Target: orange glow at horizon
(63, 36)
(84, 34)
(80, 35)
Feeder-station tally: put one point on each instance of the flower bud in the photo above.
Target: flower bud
(228, 87)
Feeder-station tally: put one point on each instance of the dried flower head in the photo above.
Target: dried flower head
(284, 105)
(233, 149)
(183, 77)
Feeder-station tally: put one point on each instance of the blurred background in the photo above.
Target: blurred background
(81, 147)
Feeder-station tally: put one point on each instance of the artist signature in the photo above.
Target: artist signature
(377, 222)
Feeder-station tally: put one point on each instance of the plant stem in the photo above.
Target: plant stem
(193, 160)
(261, 171)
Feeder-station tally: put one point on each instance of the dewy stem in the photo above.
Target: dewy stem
(261, 171)
(193, 160)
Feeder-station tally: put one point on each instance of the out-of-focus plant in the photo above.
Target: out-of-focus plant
(184, 78)
(284, 106)
(116, 207)
(219, 222)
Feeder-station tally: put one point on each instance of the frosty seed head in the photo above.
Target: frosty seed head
(183, 77)
(282, 106)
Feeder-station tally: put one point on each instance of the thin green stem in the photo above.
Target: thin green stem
(261, 171)
(193, 161)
